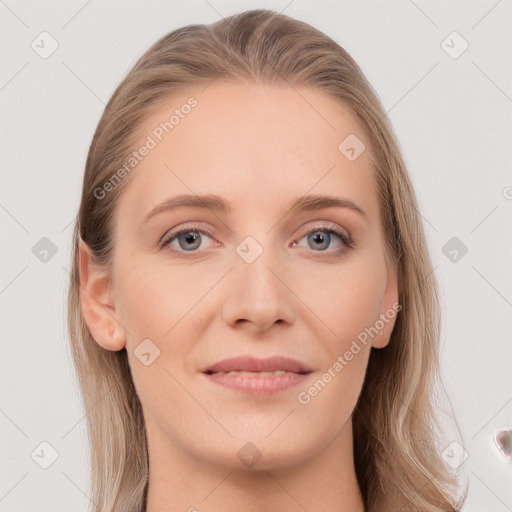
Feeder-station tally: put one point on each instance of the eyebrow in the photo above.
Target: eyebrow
(213, 202)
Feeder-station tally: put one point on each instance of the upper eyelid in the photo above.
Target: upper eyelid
(321, 224)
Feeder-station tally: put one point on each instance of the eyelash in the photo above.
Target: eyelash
(328, 228)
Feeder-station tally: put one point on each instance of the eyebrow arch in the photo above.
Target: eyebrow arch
(309, 202)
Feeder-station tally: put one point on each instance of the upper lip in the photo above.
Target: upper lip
(253, 364)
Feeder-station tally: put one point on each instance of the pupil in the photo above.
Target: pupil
(190, 238)
(321, 238)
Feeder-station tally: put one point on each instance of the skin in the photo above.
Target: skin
(258, 147)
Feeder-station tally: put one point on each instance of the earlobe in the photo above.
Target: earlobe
(389, 309)
(381, 340)
(96, 303)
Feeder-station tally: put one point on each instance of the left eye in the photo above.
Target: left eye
(320, 239)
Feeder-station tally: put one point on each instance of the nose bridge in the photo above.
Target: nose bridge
(255, 261)
(255, 293)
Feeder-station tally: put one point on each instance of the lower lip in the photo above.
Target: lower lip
(257, 384)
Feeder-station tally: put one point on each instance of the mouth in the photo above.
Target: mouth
(258, 376)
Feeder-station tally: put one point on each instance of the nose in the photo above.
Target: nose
(258, 294)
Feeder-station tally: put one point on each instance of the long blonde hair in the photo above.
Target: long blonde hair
(397, 461)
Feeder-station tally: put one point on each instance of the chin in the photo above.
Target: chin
(253, 453)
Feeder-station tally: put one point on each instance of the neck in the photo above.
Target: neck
(325, 481)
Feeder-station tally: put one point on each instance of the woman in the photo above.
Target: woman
(252, 310)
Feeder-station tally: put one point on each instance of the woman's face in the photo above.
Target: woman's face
(250, 276)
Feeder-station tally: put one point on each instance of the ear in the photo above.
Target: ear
(96, 302)
(389, 307)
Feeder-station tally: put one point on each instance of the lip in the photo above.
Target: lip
(253, 364)
(256, 377)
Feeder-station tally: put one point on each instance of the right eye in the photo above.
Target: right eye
(185, 239)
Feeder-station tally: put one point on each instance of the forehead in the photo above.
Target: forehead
(256, 145)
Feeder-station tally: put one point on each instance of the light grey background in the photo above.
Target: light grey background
(452, 117)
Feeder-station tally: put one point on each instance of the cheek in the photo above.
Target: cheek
(331, 396)
(155, 303)
(165, 305)
(347, 305)
(345, 298)
(152, 299)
